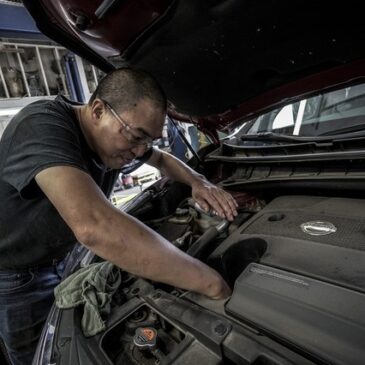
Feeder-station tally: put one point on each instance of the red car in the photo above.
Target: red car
(284, 81)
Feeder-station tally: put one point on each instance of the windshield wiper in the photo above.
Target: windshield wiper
(276, 137)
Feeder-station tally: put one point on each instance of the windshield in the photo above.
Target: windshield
(335, 112)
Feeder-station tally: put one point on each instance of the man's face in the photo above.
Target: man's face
(119, 138)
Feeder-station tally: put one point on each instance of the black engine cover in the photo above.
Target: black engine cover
(298, 269)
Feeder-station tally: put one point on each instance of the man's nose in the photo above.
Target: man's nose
(138, 150)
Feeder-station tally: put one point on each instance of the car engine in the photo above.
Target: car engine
(296, 267)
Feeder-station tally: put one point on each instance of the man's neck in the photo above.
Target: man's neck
(81, 115)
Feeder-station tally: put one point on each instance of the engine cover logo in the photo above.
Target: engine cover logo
(317, 228)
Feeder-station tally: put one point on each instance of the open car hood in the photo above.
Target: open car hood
(295, 253)
(219, 61)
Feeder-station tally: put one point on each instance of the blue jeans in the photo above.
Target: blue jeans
(26, 296)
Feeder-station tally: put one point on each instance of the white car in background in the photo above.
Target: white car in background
(139, 177)
(145, 174)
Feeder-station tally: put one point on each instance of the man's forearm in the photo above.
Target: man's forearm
(137, 249)
(120, 238)
(174, 168)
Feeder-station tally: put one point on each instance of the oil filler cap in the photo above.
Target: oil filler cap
(145, 337)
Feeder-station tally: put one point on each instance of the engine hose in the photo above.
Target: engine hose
(202, 246)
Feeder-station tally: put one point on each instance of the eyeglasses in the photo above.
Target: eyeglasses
(132, 135)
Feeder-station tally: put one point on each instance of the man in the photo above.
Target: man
(58, 161)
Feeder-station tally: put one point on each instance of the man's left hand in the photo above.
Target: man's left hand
(209, 196)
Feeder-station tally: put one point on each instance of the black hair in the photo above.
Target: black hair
(123, 87)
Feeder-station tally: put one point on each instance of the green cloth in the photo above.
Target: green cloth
(92, 287)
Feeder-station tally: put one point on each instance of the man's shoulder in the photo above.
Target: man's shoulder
(58, 107)
(41, 123)
(53, 113)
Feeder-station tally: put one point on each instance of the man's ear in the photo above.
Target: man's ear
(97, 109)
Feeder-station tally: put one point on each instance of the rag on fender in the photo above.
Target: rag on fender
(92, 287)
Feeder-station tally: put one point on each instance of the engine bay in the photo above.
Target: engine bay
(295, 265)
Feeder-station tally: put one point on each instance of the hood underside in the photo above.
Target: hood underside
(213, 57)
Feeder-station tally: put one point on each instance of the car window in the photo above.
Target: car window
(322, 114)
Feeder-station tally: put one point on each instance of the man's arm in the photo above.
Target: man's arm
(122, 239)
(206, 194)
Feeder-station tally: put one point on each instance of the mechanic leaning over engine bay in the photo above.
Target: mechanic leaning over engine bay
(58, 163)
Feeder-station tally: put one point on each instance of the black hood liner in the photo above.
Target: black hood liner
(211, 56)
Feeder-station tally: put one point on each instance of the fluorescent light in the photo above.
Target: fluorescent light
(4, 112)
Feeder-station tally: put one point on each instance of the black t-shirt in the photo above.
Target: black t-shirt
(43, 134)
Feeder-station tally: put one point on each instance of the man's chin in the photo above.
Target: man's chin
(115, 166)
(116, 163)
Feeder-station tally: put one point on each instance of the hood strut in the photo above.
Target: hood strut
(103, 8)
(187, 143)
